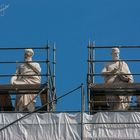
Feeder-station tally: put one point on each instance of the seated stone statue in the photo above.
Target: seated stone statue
(27, 73)
(120, 69)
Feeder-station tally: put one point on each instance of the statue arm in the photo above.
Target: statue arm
(14, 77)
(125, 70)
(130, 77)
(106, 72)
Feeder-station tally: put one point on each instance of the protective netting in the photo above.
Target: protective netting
(65, 126)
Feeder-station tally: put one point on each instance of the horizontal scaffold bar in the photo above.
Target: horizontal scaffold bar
(116, 89)
(8, 75)
(117, 46)
(99, 74)
(22, 48)
(22, 89)
(38, 61)
(128, 60)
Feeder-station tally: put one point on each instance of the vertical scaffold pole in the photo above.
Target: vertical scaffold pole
(48, 75)
(82, 111)
(54, 76)
(88, 76)
(92, 62)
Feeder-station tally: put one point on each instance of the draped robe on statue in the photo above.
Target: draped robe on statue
(26, 69)
(119, 68)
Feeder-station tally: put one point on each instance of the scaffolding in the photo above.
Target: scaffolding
(97, 92)
(46, 91)
(98, 123)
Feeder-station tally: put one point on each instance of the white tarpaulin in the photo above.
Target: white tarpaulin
(64, 126)
(112, 126)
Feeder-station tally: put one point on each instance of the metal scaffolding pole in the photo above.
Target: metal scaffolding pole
(92, 64)
(54, 66)
(88, 75)
(82, 111)
(51, 94)
(48, 76)
(54, 77)
(91, 70)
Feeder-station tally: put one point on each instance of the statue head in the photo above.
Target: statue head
(115, 53)
(28, 54)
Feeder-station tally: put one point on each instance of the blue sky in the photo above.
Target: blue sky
(70, 24)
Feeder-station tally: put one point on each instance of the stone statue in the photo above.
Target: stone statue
(25, 75)
(120, 69)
